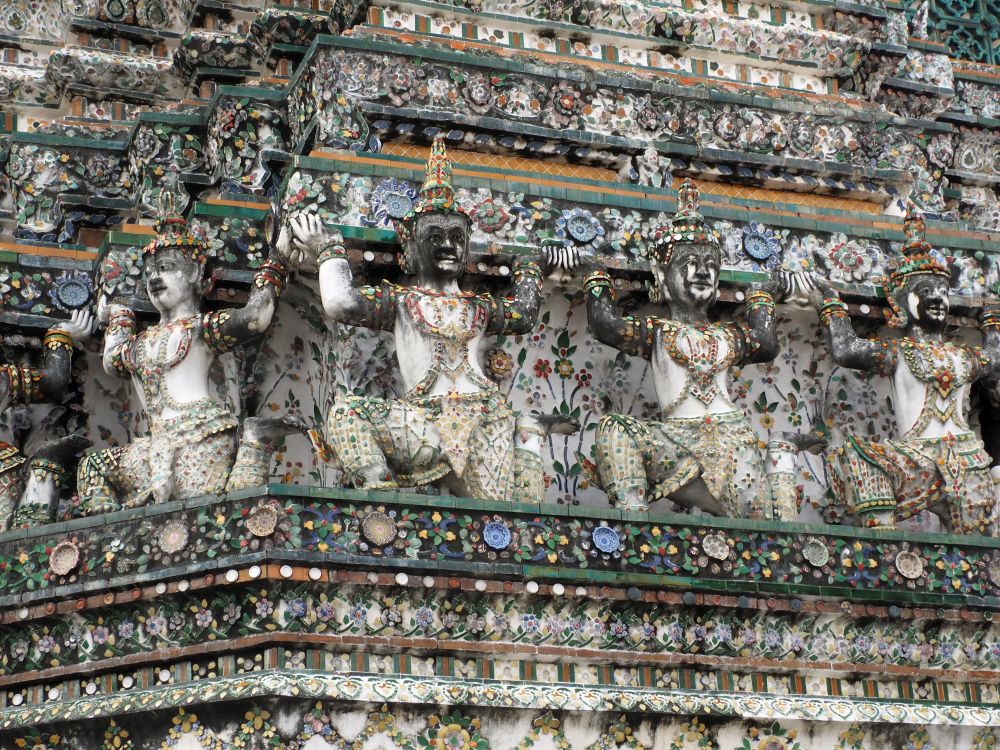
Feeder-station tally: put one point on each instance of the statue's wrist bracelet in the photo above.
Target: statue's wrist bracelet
(271, 274)
(598, 280)
(330, 251)
(989, 320)
(760, 300)
(56, 339)
(122, 319)
(524, 267)
(830, 308)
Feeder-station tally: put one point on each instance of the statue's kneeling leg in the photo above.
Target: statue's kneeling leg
(253, 458)
(110, 479)
(44, 480)
(868, 490)
(358, 436)
(41, 494)
(975, 513)
(622, 446)
(201, 467)
(11, 487)
(100, 480)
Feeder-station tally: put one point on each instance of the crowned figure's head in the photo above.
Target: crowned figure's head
(174, 262)
(686, 257)
(435, 232)
(917, 288)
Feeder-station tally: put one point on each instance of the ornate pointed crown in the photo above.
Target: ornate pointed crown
(919, 257)
(687, 227)
(436, 194)
(172, 231)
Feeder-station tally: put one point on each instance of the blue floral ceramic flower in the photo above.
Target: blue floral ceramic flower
(71, 291)
(605, 539)
(761, 246)
(391, 199)
(496, 535)
(579, 227)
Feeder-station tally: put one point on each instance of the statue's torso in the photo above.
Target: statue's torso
(691, 368)
(931, 387)
(170, 365)
(437, 342)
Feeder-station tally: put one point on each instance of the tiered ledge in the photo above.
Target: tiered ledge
(271, 592)
(423, 534)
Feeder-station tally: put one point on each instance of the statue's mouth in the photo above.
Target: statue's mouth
(155, 287)
(936, 309)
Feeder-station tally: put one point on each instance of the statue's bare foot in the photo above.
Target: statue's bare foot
(63, 450)
(268, 430)
(553, 424)
(808, 442)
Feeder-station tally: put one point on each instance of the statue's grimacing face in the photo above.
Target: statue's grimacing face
(691, 278)
(927, 301)
(442, 246)
(172, 279)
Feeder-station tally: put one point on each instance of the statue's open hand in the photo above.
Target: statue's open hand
(569, 259)
(823, 289)
(777, 286)
(301, 238)
(79, 326)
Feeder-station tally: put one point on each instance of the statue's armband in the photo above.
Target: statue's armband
(214, 334)
(886, 357)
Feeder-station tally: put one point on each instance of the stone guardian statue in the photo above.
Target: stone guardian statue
(192, 441)
(702, 453)
(937, 463)
(453, 427)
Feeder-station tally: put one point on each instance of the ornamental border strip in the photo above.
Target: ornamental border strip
(531, 672)
(667, 86)
(583, 191)
(663, 634)
(327, 526)
(493, 694)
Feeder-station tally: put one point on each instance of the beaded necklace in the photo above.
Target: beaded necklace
(702, 363)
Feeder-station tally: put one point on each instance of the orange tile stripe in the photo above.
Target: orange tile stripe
(238, 204)
(138, 229)
(960, 68)
(788, 198)
(520, 163)
(602, 189)
(49, 252)
(713, 189)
